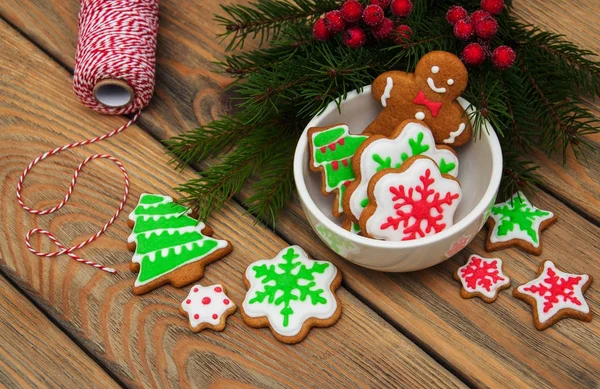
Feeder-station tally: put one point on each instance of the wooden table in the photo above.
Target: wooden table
(64, 324)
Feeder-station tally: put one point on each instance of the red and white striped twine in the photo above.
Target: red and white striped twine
(117, 40)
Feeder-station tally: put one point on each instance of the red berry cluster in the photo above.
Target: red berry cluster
(482, 25)
(354, 22)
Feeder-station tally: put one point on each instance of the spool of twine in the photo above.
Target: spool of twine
(114, 74)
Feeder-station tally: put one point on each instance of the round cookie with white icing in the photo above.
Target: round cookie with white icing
(517, 222)
(169, 246)
(429, 94)
(290, 294)
(554, 295)
(482, 277)
(411, 202)
(378, 152)
(207, 307)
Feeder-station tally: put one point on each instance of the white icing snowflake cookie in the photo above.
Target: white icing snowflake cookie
(290, 294)
(207, 307)
(554, 295)
(482, 277)
(517, 222)
(409, 203)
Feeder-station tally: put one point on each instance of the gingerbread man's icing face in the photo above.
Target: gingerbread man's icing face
(429, 94)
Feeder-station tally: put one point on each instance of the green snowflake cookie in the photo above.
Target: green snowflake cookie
(331, 152)
(518, 220)
(288, 290)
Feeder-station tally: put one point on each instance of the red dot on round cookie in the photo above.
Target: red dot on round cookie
(196, 316)
(372, 15)
(188, 301)
(214, 316)
(403, 34)
(226, 301)
(464, 29)
(503, 57)
(195, 290)
(206, 300)
(479, 15)
(354, 37)
(383, 29)
(456, 13)
(320, 32)
(486, 28)
(473, 54)
(351, 11)
(494, 7)
(401, 8)
(334, 22)
(218, 289)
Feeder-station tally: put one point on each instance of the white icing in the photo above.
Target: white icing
(435, 69)
(389, 84)
(420, 115)
(450, 81)
(517, 233)
(303, 310)
(410, 178)
(393, 149)
(494, 287)
(193, 305)
(562, 304)
(434, 88)
(455, 134)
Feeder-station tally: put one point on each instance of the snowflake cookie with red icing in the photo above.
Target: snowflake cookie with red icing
(411, 202)
(482, 277)
(554, 295)
(207, 307)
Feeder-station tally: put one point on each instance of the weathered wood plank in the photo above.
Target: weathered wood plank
(35, 353)
(143, 339)
(188, 92)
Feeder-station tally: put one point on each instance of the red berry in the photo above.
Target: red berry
(479, 15)
(334, 22)
(464, 29)
(403, 34)
(382, 3)
(354, 37)
(503, 57)
(383, 29)
(486, 28)
(401, 8)
(456, 13)
(494, 7)
(473, 54)
(351, 11)
(372, 15)
(320, 32)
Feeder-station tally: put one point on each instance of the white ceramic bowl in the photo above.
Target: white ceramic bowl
(479, 175)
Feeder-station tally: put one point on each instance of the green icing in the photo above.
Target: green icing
(446, 167)
(364, 203)
(355, 227)
(337, 177)
(518, 214)
(381, 162)
(159, 251)
(288, 281)
(329, 136)
(340, 151)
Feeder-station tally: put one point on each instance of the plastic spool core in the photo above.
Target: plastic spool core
(113, 93)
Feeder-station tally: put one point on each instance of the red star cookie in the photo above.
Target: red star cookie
(482, 277)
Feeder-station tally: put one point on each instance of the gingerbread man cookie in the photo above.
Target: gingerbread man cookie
(429, 94)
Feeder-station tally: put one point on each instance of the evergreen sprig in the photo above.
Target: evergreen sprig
(291, 77)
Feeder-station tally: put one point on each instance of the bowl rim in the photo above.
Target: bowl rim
(488, 196)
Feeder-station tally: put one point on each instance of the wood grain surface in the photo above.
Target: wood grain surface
(487, 345)
(37, 354)
(144, 340)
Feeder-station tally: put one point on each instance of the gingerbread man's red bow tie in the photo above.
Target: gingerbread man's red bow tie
(433, 106)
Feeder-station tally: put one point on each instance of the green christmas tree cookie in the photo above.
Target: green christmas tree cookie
(516, 222)
(331, 152)
(169, 246)
(291, 293)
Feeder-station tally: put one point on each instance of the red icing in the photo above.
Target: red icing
(331, 146)
(335, 165)
(433, 106)
(341, 141)
(346, 183)
(559, 287)
(345, 162)
(196, 316)
(480, 272)
(214, 316)
(226, 301)
(420, 209)
(218, 289)
(323, 149)
(206, 300)
(195, 289)
(188, 301)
